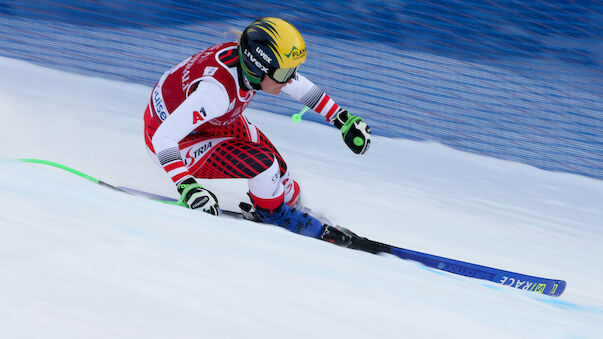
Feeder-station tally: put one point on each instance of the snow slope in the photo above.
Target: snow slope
(80, 261)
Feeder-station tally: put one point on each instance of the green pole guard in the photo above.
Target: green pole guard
(63, 167)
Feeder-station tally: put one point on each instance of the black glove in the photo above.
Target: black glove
(356, 133)
(197, 197)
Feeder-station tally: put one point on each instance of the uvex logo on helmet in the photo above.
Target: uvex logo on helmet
(255, 61)
(263, 55)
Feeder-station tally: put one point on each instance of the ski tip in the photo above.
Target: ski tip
(558, 287)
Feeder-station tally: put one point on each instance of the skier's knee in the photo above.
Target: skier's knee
(261, 159)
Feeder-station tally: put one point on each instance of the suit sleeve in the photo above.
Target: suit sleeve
(209, 101)
(309, 94)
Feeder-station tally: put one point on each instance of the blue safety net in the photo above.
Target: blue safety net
(514, 79)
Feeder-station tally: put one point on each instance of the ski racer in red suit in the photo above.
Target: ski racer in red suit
(195, 127)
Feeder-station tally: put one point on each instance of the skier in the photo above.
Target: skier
(194, 126)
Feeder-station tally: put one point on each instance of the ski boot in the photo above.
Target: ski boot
(303, 223)
(291, 219)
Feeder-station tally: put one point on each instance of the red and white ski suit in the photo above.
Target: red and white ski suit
(194, 126)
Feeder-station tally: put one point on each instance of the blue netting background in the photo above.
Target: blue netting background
(514, 79)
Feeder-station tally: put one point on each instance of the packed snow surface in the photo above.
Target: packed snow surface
(79, 260)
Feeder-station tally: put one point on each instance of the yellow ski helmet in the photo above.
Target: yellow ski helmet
(273, 47)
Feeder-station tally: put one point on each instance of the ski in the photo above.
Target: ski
(546, 286)
(550, 287)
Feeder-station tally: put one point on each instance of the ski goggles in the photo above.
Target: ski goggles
(283, 75)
